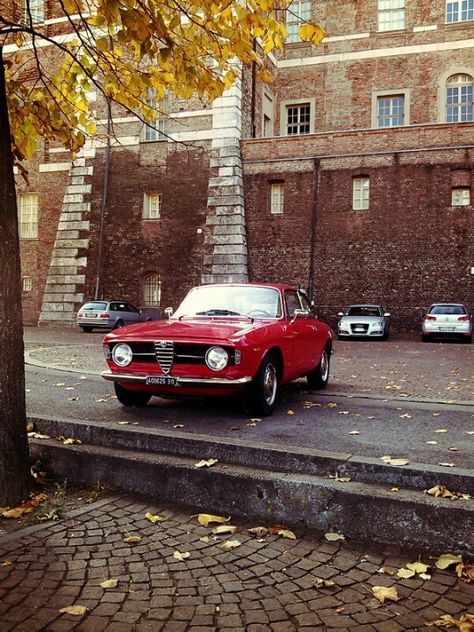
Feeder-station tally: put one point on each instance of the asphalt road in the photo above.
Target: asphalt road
(399, 398)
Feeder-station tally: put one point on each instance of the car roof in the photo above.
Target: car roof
(363, 305)
(447, 304)
(276, 286)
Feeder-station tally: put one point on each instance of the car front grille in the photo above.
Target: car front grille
(172, 353)
(359, 328)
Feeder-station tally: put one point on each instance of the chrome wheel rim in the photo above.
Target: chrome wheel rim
(270, 383)
(324, 364)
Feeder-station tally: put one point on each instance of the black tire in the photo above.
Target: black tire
(131, 398)
(468, 339)
(425, 338)
(118, 324)
(319, 377)
(86, 330)
(263, 391)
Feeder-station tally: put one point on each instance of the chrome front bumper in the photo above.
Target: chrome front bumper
(128, 378)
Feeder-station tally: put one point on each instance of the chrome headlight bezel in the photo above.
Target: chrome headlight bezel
(122, 354)
(106, 350)
(216, 358)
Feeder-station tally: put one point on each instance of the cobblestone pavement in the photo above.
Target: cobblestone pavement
(268, 583)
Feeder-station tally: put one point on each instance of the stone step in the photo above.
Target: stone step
(268, 483)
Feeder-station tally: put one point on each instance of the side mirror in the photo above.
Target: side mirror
(169, 312)
(340, 313)
(299, 313)
(387, 314)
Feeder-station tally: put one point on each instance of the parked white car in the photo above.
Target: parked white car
(447, 320)
(363, 321)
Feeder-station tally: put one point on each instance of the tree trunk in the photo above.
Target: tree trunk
(15, 475)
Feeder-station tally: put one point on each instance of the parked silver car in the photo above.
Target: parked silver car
(363, 321)
(447, 320)
(109, 315)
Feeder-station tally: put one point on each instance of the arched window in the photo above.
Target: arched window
(459, 98)
(152, 290)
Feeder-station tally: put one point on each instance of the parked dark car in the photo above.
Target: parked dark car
(109, 315)
(223, 339)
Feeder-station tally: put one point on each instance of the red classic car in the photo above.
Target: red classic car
(222, 339)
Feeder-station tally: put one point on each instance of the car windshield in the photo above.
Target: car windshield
(363, 310)
(96, 305)
(232, 300)
(447, 309)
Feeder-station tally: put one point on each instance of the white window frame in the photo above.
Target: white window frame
(36, 9)
(152, 290)
(298, 12)
(26, 283)
(459, 11)
(156, 129)
(296, 103)
(360, 193)
(268, 115)
(459, 86)
(277, 198)
(390, 15)
(28, 204)
(152, 205)
(392, 117)
(460, 196)
(398, 92)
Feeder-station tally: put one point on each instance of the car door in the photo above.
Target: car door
(133, 314)
(297, 329)
(314, 335)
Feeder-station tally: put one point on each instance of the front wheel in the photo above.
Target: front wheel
(319, 377)
(86, 330)
(131, 398)
(264, 388)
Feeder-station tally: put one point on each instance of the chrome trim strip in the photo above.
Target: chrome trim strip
(188, 381)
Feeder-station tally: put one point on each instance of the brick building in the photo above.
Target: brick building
(351, 174)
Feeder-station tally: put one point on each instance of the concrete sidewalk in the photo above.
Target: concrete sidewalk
(177, 576)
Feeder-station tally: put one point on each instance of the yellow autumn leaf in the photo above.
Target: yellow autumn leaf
(204, 463)
(405, 573)
(311, 32)
(109, 583)
(418, 567)
(205, 519)
(385, 592)
(76, 611)
(132, 539)
(7, 563)
(260, 532)
(446, 560)
(230, 544)
(334, 537)
(70, 441)
(154, 518)
(224, 528)
(181, 556)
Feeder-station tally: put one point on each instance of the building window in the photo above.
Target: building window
(391, 15)
(28, 216)
(298, 119)
(459, 98)
(360, 193)
(33, 10)
(27, 283)
(152, 206)
(459, 10)
(460, 196)
(152, 290)
(268, 115)
(391, 110)
(298, 12)
(277, 198)
(156, 129)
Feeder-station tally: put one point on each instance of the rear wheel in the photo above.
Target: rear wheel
(85, 329)
(468, 339)
(118, 324)
(263, 390)
(424, 338)
(319, 377)
(131, 398)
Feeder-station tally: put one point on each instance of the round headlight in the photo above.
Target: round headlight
(216, 358)
(122, 354)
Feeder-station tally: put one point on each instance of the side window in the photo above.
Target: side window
(132, 308)
(292, 302)
(114, 307)
(305, 303)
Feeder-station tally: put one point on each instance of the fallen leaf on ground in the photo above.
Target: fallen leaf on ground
(76, 611)
(418, 567)
(323, 583)
(444, 492)
(132, 539)
(37, 435)
(154, 518)
(391, 461)
(205, 519)
(181, 556)
(441, 431)
(178, 426)
(7, 563)
(405, 573)
(465, 570)
(285, 533)
(464, 624)
(405, 416)
(447, 464)
(230, 544)
(446, 560)
(204, 463)
(224, 528)
(354, 432)
(332, 405)
(69, 440)
(385, 592)
(260, 532)
(431, 442)
(333, 537)
(290, 412)
(453, 448)
(386, 571)
(469, 432)
(109, 583)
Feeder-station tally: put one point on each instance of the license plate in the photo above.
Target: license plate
(359, 329)
(446, 329)
(160, 380)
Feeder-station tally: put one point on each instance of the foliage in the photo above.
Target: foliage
(125, 49)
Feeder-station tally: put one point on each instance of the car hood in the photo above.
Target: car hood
(208, 329)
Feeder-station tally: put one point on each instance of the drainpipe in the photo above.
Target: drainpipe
(103, 206)
(253, 97)
(314, 213)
